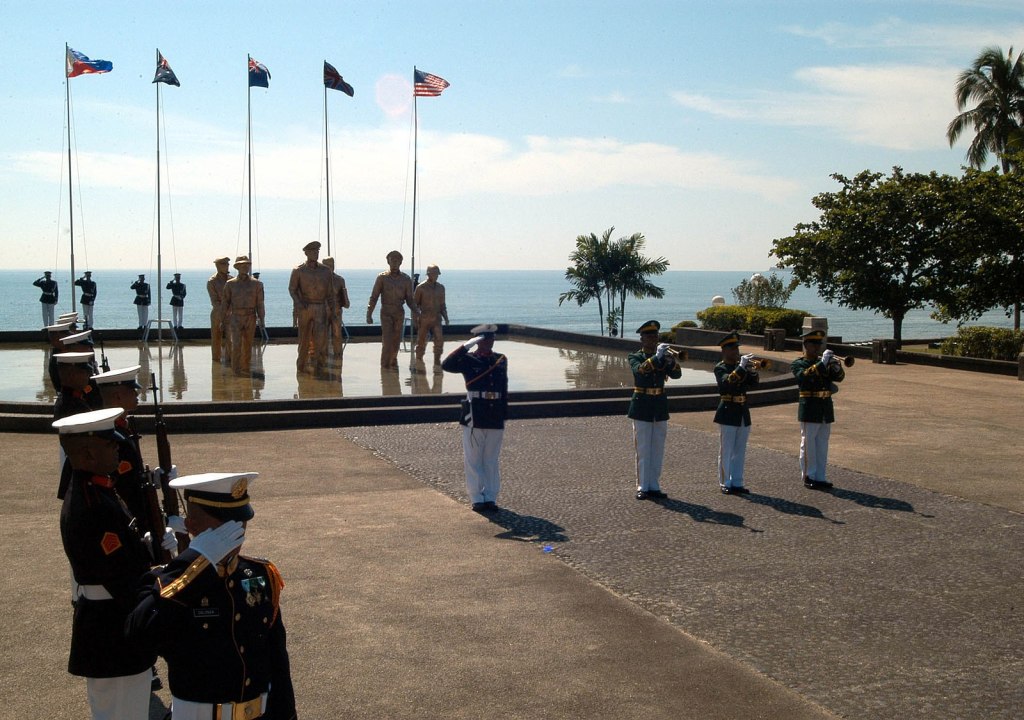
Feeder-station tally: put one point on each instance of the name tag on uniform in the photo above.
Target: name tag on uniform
(205, 612)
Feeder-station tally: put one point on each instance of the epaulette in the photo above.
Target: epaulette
(182, 581)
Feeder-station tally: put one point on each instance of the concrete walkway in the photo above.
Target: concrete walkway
(896, 595)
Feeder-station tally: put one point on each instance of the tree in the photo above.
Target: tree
(587, 274)
(631, 271)
(997, 254)
(760, 291)
(996, 84)
(889, 244)
(610, 271)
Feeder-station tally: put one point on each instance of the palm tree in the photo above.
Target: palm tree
(587, 273)
(996, 84)
(633, 270)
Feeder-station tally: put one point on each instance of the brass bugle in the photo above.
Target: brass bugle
(760, 363)
(679, 355)
(848, 361)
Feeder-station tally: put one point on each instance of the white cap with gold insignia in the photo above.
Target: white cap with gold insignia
(222, 494)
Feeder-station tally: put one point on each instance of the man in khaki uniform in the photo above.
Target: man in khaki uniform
(312, 289)
(394, 288)
(242, 306)
(430, 300)
(341, 302)
(215, 287)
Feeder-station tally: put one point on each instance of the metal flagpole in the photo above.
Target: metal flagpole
(415, 159)
(327, 169)
(159, 258)
(71, 198)
(248, 111)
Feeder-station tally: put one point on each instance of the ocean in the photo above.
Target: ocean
(526, 297)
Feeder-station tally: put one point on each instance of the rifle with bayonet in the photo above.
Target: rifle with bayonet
(163, 452)
(103, 356)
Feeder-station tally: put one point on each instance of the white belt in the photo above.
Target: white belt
(188, 710)
(483, 395)
(94, 592)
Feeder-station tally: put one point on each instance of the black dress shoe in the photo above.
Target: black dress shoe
(658, 494)
(726, 490)
(479, 507)
(490, 506)
(641, 495)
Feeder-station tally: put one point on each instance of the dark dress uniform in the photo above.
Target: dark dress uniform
(107, 557)
(816, 415)
(483, 418)
(220, 630)
(648, 409)
(48, 298)
(178, 293)
(88, 298)
(142, 300)
(130, 479)
(733, 419)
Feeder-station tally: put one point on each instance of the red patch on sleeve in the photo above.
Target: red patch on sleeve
(124, 467)
(110, 543)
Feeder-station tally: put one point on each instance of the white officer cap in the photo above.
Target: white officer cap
(485, 329)
(81, 338)
(221, 494)
(121, 376)
(59, 327)
(94, 422)
(69, 316)
(73, 358)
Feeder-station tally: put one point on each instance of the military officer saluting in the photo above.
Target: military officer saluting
(88, 299)
(648, 408)
(735, 375)
(215, 615)
(815, 373)
(107, 557)
(484, 413)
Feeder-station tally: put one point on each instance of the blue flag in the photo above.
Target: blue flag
(259, 76)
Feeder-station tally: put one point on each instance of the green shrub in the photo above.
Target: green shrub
(684, 324)
(985, 342)
(751, 319)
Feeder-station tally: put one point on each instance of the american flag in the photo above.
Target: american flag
(427, 85)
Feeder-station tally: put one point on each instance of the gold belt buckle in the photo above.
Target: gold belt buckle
(248, 710)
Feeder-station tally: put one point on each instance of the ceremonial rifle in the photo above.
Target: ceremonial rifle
(155, 520)
(163, 452)
(103, 356)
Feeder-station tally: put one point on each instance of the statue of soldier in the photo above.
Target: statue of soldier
(311, 286)
(394, 288)
(242, 306)
(215, 288)
(336, 322)
(430, 300)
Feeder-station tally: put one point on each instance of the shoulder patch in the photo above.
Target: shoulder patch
(110, 542)
(124, 467)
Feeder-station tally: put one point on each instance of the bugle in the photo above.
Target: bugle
(760, 363)
(679, 355)
(848, 361)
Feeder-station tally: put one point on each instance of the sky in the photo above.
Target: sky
(706, 126)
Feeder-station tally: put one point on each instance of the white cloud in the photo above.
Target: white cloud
(897, 33)
(373, 166)
(903, 107)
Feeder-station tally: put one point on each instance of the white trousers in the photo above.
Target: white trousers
(87, 315)
(732, 454)
(143, 314)
(814, 449)
(177, 313)
(649, 444)
(120, 698)
(48, 309)
(480, 448)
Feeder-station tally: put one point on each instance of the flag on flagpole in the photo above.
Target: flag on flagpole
(427, 85)
(164, 73)
(334, 80)
(259, 76)
(76, 64)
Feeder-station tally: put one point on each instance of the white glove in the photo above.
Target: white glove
(471, 343)
(176, 523)
(173, 473)
(745, 361)
(826, 357)
(660, 352)
(215, 544)
(170, 542)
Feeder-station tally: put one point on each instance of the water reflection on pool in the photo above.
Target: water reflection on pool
(186, 372)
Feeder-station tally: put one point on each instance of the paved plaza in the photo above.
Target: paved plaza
(898, 594)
